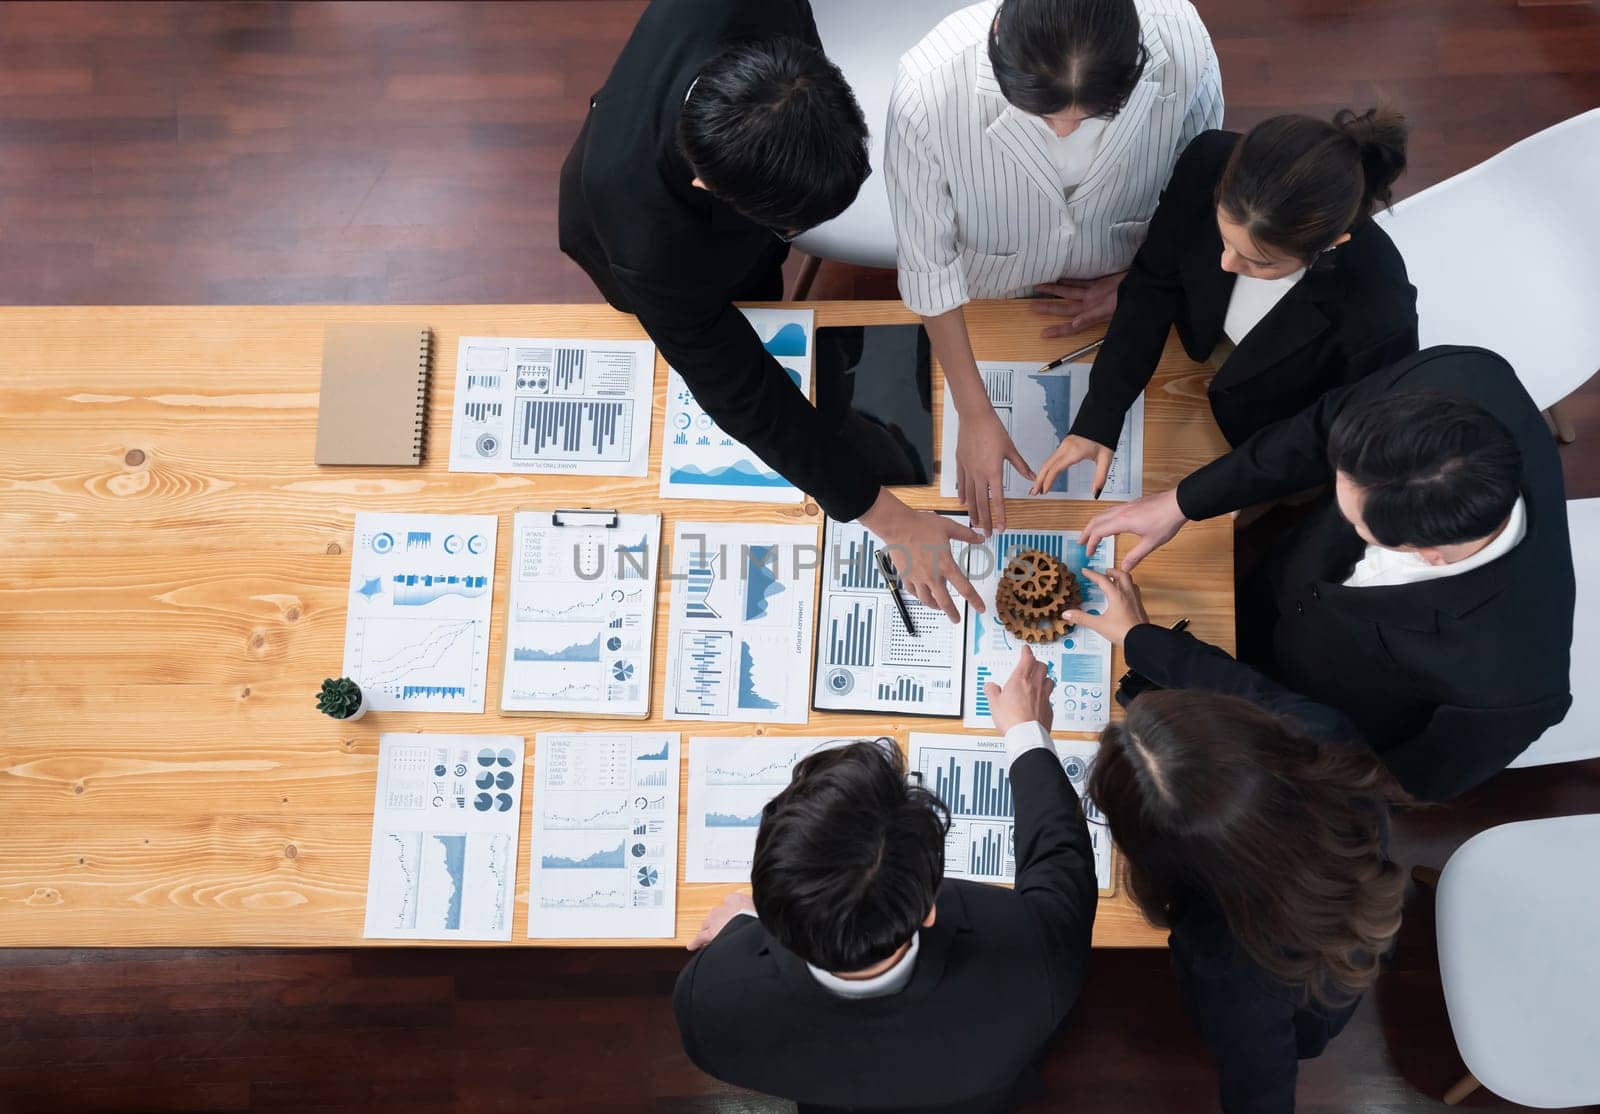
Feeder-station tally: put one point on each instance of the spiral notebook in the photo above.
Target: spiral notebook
(374, 404)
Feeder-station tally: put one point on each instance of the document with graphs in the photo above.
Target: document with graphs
(580, 625)
(444, 837)
(532, 405)
(971, 775)
(604, 860)
(1037, 408)
(739, 642)
(416, 635)
(868, 659)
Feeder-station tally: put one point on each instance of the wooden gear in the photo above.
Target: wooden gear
(1034, 589)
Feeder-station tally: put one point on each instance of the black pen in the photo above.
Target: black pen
(893, 582)
(1073, 355)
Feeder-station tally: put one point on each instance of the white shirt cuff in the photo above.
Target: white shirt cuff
(1025, 737)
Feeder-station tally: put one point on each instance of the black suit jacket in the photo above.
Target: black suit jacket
(678, 258)
(994, 976)
(1352, 313)
(1256, 1029)
(1448, 679)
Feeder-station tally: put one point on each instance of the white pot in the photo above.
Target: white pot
(361, 710)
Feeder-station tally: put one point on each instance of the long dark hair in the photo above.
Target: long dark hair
(1051, 55)
(1298, 183)
(1213, 794)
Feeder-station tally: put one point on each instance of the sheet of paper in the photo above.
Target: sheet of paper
(1080, 663)
(535, 404)
(604, 859)
(416, 636)
(739, 643)
(867, 660)
(581, 622)
(444, 837)
(1038, 408)
(698, 460)
(730, 781)
(971, 775)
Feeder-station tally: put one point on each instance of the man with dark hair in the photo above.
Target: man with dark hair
(722, 133)
(1027, 145)
(857, 962)
(1430, 597)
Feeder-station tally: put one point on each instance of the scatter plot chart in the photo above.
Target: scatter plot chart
(417, 626)
(605, 836)
(441, 867)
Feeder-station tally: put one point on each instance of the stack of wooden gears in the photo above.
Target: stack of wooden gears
(1034, 590)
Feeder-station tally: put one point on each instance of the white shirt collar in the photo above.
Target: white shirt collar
(1385, 568)
(892, 981)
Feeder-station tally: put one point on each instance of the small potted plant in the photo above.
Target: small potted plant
(341, 698)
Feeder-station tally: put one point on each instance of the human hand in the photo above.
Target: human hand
(1155, 518)
(1025, 697)
(718, 918)
(982, 448)
(1083, 302)
(1071, 450)
(1124, 606)
(918, 544)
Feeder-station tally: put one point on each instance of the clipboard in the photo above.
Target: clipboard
(874, 670)
(580, 613)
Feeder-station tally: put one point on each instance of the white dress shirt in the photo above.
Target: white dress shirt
(976, 190)
(1252, 299)
(1074, 154)
(1386, 568)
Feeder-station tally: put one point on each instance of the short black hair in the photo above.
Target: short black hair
(1051, 55)
(1434, 469)
(849, 857)
(774, 131)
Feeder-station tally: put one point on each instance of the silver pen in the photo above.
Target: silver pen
(1073, 355)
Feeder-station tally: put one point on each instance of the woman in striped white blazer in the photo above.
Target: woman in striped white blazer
(1027, 145)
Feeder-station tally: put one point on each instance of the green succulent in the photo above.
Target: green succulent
(339, 698)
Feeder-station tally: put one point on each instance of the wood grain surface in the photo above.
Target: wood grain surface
(176, 570)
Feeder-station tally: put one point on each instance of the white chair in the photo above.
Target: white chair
(1518, 917)
(1504, 255)
(1578, 736)
(865, 39)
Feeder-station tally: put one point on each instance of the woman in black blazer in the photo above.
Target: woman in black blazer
(1254, 826)
(1263, 255)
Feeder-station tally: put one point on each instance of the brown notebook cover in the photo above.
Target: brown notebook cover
(374, 404)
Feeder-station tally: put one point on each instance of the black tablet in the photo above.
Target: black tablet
(874, 383)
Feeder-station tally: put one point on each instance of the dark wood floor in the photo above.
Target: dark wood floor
(171, 153)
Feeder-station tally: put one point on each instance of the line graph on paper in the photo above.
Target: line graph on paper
(407, 660)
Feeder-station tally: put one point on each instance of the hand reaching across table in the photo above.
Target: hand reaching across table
(1155, 518)
(1124, 608)
(1072, 450)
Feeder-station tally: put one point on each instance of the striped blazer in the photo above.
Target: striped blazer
(979, 211)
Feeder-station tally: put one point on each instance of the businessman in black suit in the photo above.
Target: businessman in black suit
(1430, 596)
(722, 133)
(866, 971)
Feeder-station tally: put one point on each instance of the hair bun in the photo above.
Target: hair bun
(1381, 134)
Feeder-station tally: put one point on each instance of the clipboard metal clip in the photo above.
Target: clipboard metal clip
(613, 519)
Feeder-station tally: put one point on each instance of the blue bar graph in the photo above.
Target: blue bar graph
(973, 786)
(853, 644)
(907, 690)
(985, 856)
(1010, 542)
(856, 564)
